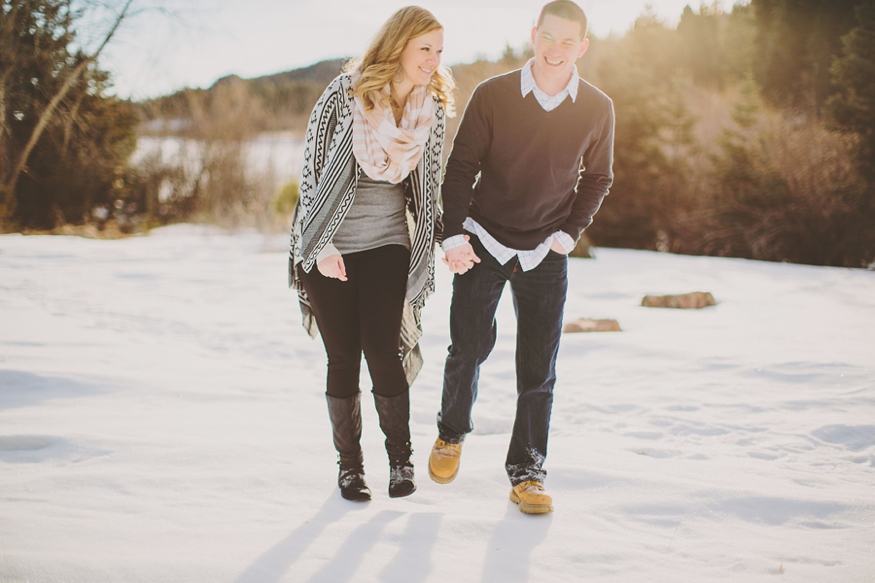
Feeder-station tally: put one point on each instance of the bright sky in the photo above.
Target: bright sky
(154, 54)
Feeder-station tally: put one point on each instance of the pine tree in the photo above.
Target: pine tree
(62, 140)
(33, 33)
(750, 194)
(652, 140)
(852, 108)
(796, 43)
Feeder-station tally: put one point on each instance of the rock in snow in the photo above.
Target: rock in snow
(692, 300)
(590, 325)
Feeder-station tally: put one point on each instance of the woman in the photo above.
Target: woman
(364, 232)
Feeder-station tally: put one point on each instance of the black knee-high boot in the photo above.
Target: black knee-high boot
(346, 426)
(394, 415)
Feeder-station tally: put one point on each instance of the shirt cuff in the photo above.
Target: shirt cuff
(565, 240)
(453, 242)
(327, 252)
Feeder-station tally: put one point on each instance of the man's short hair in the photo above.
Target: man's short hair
(568, 10)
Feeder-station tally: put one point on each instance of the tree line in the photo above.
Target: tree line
(746, 133)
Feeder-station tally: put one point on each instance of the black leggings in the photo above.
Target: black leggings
(362, 314)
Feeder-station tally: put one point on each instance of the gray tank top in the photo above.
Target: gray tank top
(376, 218)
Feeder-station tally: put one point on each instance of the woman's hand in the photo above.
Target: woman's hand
(461, 258)
(332, 266)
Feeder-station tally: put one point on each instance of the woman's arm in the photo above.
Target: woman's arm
(320, 129)
(439, 131)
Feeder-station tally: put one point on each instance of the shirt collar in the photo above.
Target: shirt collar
(527, 81)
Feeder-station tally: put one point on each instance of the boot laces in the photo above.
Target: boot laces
(400, 474)
(445, 449)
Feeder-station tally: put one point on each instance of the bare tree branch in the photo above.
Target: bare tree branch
(49, 111)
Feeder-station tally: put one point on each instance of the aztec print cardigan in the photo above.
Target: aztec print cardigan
(330, 176)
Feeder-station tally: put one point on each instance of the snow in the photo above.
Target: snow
(162, 418)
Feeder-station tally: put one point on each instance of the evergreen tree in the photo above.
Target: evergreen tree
(700, 34)
(796, 42)
(716, 47)
(852, 108)
(653, 44)
(653, 136)
(786, 189)
(749, 194)
(33, 33)
(63, 142)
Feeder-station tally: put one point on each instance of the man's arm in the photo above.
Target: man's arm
(469, 147)
(596, 176)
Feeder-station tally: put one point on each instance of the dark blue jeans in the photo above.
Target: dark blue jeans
(539, 303)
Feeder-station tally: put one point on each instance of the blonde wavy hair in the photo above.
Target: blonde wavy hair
(381, 60)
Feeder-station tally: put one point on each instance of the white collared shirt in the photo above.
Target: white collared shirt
(528, 259)
(528, 85)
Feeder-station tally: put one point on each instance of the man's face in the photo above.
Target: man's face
(558, 45)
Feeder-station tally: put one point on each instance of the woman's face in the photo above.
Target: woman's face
(421, 57)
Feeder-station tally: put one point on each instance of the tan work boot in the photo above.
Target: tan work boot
(532, 498)
(443, 463)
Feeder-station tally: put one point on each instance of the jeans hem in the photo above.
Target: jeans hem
(517, 474)
(454, 439)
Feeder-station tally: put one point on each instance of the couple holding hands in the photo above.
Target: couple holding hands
(529, 167)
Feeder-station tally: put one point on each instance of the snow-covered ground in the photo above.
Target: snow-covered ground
(162, 419)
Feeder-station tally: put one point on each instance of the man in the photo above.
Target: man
(541, 141)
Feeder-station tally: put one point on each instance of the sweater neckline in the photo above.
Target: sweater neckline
(536, 104)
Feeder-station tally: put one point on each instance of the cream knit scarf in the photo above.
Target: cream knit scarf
(385, 151)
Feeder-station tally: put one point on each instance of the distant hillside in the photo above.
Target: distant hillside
(322, 72)
(281, 101)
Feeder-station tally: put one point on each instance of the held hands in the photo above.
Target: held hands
(462, 258)
(332, 266)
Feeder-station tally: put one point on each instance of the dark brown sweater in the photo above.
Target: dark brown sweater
(539, 172)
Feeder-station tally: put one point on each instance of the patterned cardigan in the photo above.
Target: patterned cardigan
(330, 177)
